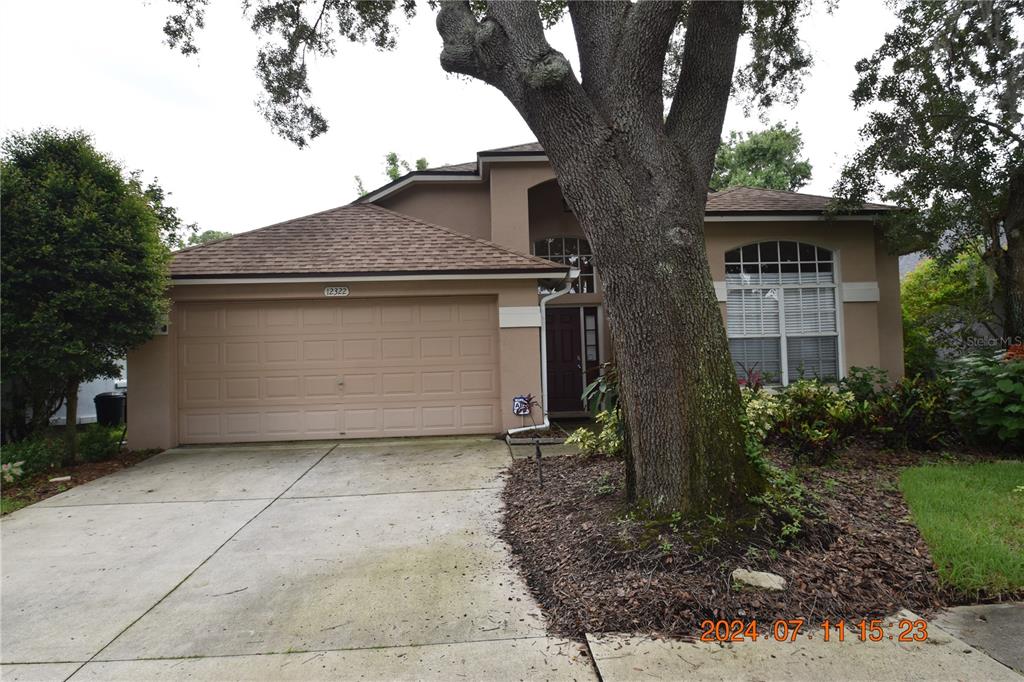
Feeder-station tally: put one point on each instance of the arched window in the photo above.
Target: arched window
(781, 311)
(573, 251)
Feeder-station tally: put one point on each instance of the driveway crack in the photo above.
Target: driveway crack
(204, 561)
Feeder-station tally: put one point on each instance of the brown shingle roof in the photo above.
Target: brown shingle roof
(359, 239)
(528, 147)
(771, 201)
(468, 167)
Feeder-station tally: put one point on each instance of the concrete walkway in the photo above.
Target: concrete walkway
(312, 561)
(941, 657)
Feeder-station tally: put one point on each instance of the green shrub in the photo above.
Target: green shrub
(987, 398)
(865, 383)
(98, 443)
(606, 441)
(814, 420)
(761, 412)
(37, 453)
(602, 394)
(912, 413)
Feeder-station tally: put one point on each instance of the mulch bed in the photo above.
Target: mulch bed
(862, 557)
(39, 487)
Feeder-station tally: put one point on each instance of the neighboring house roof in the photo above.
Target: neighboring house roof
(740, 201)
(754, 200)
(353, 240)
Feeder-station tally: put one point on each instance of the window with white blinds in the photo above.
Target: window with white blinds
(781, 311)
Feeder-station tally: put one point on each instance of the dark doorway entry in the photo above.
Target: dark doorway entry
(572, 356)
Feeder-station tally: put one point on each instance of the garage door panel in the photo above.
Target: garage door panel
(476, 346)
(476, 312)
(201, 320)
(271, 370)
(239, 389)
(241, 353)
(477, 415)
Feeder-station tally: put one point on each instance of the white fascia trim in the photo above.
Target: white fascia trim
(519, 316)
(783, 218)
(463, 177)
(380, 194)
(721, 292)
(366, 278)
(860, 292)
(512, 159)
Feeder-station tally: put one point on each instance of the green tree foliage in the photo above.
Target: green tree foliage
(394, 167)
(944, 136)
(207, 236)
(948, 308)
(84, 268)
(767, 158)
(174, 231)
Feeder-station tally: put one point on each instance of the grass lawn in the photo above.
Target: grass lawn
(972, 518)
(9, 504)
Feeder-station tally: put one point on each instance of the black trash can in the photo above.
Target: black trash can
(110, 408)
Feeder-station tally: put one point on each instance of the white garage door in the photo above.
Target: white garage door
(352, 368)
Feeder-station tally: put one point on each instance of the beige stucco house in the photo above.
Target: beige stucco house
(429, 304)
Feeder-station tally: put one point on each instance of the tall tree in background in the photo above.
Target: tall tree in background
(947, 95)
(635, 176)
(207, 236)
(393, 168)
(947, 310)
(84, 268)
(766, 158)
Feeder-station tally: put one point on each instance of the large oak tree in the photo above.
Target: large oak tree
(945, 136)
(633, 163)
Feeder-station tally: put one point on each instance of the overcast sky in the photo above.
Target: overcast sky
(103, 66)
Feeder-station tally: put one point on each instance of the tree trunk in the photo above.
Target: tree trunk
(678, 387)
(1012, 272)
(71, 425)
(679, 391)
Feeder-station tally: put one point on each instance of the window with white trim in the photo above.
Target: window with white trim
(781, 312)
(574, 252)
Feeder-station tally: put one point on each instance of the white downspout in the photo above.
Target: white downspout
(564, 289)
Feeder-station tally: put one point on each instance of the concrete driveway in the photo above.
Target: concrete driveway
(366, 560)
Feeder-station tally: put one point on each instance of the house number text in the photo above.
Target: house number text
(335, 291)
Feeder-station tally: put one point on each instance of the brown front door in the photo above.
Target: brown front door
(565, 358)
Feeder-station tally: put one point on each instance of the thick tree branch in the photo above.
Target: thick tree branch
(507, 49)
(598, 29)
(705, 79)
(640, 59)
(471, 48)
(983, 121)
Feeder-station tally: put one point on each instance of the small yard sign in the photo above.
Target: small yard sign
(521, 405)
(335, 291)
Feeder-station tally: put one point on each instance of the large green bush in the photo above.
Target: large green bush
(98, 443)
(37, 453)
(912, 413)
(814, 420)
(987, 398)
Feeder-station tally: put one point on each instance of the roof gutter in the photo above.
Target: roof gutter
(181, 280)
(561, 291)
